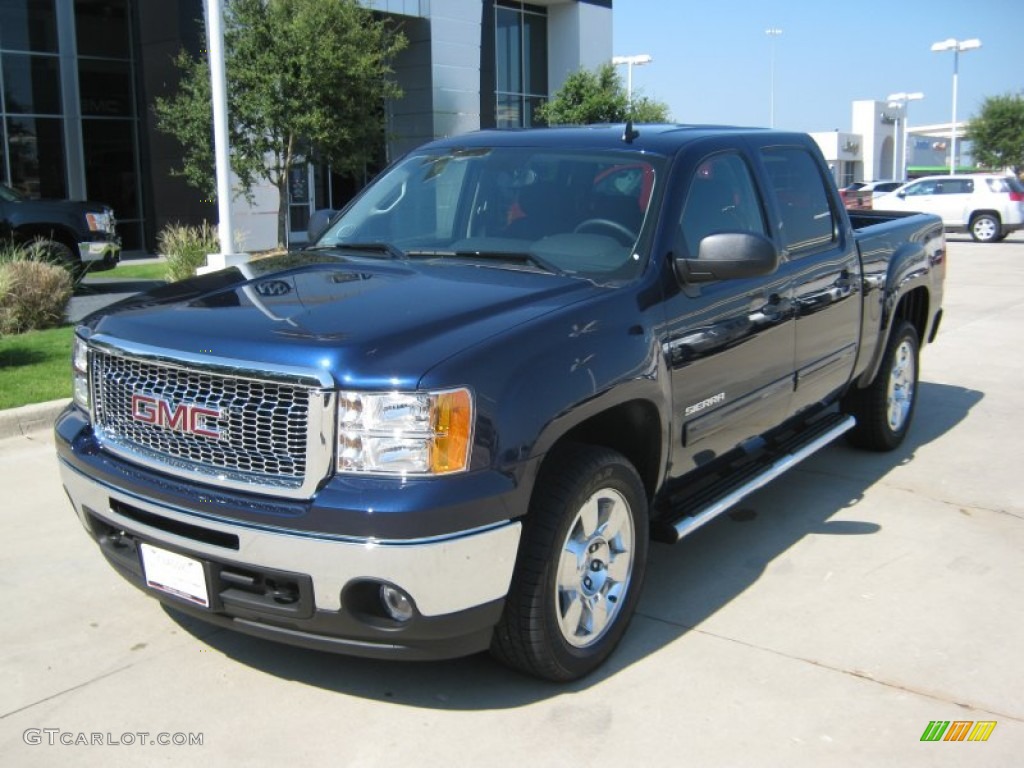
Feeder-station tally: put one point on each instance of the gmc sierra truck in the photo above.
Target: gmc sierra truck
(78, 233)
(456, 420)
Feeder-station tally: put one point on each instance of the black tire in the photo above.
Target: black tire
(61, 254)
(885, 408)
(550, 628)
(986, 228)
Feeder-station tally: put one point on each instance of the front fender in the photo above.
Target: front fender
(537, 383)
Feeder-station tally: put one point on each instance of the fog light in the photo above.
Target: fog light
(396, 602)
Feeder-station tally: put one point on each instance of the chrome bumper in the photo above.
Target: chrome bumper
(443, 575)
(99, 250)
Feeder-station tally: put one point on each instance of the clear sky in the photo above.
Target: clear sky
(712, 58)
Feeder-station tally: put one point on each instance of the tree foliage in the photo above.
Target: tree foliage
(997, 133)
(306, 79)
(599, 97)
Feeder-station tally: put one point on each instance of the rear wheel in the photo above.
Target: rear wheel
(986, 228)
(580, 567)
(885, 408)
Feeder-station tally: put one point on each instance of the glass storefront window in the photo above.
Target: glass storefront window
(31, 84)
(105, 88)
(28, 25)
(110, 176)
(521, 52)
(101, 28)
(36, 149)
(510, 64)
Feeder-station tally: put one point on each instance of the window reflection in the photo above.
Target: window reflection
(31, 84)
(36, 148)
(28, 25)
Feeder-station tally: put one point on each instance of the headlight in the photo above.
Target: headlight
(405, 433)
(100, 222)
(80, 373)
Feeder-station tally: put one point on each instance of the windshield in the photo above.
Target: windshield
(572, 212)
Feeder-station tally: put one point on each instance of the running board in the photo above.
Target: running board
(712, 501)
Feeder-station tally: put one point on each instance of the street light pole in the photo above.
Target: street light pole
(638, 60)
(772, 32)
(956, 46)
(901, 101)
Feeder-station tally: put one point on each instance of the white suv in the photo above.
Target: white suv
(989, 206)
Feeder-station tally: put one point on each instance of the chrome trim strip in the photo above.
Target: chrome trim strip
(442, 575)
(688, 525)
(224, 366)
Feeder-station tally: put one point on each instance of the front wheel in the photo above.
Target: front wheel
(885, 408)
(986, 228)
(580, 567)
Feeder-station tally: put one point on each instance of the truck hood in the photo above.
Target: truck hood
(65, 206)
(367, 322)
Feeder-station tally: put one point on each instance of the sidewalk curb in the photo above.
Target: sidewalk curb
(27, 419)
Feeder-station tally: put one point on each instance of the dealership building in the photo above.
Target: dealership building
(80, 78)
(880, 145)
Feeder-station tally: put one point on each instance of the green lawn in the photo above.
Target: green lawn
(136, 271)
(35, 367)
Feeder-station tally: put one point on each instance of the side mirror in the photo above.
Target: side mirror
(318, 223)
(729, 255)
(901, 194)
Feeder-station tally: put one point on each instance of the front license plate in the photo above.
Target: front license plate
(175, 574)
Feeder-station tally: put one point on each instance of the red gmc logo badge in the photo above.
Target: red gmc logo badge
(183, 417)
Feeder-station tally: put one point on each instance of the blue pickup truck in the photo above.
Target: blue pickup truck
(455, 422)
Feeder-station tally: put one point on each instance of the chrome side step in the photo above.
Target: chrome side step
(817, 438)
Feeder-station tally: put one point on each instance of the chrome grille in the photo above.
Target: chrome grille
(262, 435)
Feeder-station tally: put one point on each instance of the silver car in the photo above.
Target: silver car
(988, 206)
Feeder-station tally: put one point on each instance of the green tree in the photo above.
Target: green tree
(306, 79)
(599, 97)
(997, 133)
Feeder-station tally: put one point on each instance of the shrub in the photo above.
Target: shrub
(33, 295)
(42, 250)
(186, 248)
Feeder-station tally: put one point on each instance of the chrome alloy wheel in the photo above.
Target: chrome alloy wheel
(900, 394)
(985, 229)
(594, 568)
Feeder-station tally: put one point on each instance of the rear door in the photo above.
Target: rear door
(824, 268)
(955, 201)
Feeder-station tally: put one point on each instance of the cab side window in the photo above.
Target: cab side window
(721, 198)
(808, 221)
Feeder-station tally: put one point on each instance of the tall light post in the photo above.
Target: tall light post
(631, 61)
(900, 101)
(772, 32)
(957, 47)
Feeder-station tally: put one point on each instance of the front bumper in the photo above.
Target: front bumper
(316, 590)
(107, 252)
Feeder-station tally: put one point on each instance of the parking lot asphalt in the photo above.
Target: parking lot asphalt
(826, 622)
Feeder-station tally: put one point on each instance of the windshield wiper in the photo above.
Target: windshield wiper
(522, 257)
(376, 246)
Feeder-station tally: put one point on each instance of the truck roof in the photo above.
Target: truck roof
(660, 138)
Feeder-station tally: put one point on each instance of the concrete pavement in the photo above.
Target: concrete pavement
(826, 622)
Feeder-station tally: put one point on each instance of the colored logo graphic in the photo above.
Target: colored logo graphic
(958, 730)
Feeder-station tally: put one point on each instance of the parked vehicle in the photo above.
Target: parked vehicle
(988, 206)
(455, 421)
(881, 187)
(854, 196)
(80, 233)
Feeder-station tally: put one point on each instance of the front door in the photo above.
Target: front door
(729, 343)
